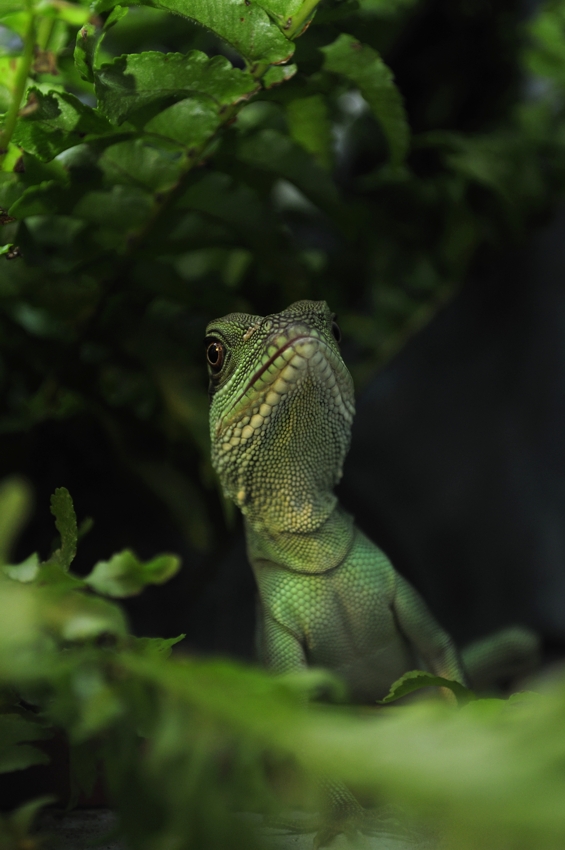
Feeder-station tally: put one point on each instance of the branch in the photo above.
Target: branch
(19, 88)
(298, 21)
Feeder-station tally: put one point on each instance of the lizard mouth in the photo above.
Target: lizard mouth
(309, 356)
(272, 359)
(267, 364)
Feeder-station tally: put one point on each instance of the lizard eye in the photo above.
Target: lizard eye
(336, 333)
(215, 354)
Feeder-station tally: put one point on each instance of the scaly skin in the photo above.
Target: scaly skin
(280, 420)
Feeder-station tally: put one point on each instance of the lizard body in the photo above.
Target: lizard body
(282, 406)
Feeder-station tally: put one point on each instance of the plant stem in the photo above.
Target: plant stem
(19, 88)
(298, 20)
(44, 31)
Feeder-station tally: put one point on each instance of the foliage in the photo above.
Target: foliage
(182, 744)
(164, 162)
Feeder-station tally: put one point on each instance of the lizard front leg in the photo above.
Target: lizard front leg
(279, 648)
(283, 652)
(432, 643)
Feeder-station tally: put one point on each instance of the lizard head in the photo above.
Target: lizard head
(281, 410)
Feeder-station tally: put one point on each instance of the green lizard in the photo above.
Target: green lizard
(282, 406)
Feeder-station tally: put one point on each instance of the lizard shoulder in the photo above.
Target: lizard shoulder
(371, 566)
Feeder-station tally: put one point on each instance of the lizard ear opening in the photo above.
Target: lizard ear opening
(336, 332)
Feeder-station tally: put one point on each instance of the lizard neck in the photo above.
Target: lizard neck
(280, 426)
(292, 499)
(315, 551)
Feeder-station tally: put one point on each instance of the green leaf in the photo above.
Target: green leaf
(37, 171)
(72, 13)
(46, 198)
(15, 755)
(117, 13)
(220, 196)
(136, 81)
(21, 820)
(364, 67)
(11, 7)
(66, 524)
(11, 187)
(190, 122)
(247, 28)
(278, 74)
(309, 126)
(121, 209)
(485, 160)
(414, 680)
(24, 572)
(57, 121)
(156, 647)
(314, 683)
(15, 507)
(86, 49)
(272, 151)
(89, 40)
(77, 617)
(281, 10)
(8, 76)
(125, 575)
(544, 55)
(98, 702)
(54, 575)
(141, 162)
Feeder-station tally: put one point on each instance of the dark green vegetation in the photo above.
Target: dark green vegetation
(145, 192)
(159, 169)
(182, 744)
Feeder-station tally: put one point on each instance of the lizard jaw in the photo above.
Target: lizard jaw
(281, 412)
(292, 361)
(260, 372)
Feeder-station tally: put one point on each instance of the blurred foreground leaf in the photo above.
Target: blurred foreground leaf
(15, 827)
(126, 575)
(15, 752)
(15, 506)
